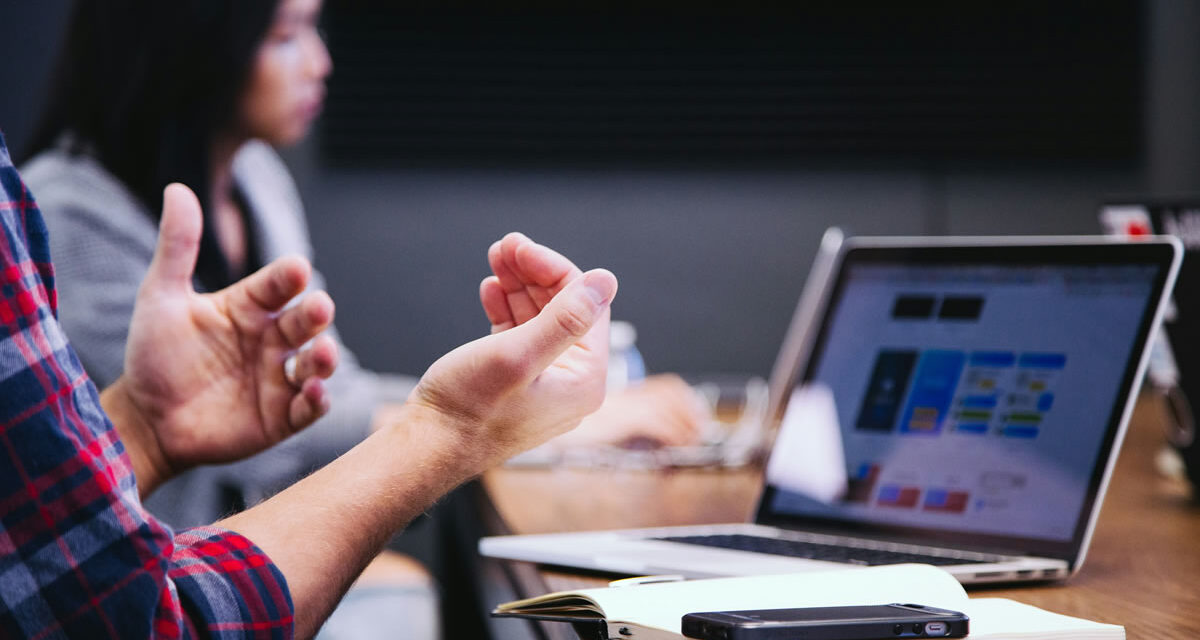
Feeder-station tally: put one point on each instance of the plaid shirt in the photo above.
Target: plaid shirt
(79, 556)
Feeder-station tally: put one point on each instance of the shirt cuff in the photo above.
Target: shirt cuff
(229, 585)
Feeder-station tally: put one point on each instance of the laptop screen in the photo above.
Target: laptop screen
(976, 392)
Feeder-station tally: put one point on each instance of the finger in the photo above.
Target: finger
(660, 409)
(546, 271)
(319, 360)
(683, 411)
(677, 435)
(673, 391)
(178, 240)
(503, 265)
(503, 269)
(508, 249)
(684, 426)
(542, 271)
(495, 304)
(271, 287)
(304, 321)
(665, 426)
(544, 266)
(523, 307)
(308, 405)
(568, 320)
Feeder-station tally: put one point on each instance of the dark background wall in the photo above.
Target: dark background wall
(712, 245)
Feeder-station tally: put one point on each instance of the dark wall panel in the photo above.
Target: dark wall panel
(656, 81)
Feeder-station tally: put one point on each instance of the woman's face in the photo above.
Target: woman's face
(287, 84)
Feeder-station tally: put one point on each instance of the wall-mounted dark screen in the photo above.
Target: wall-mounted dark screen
(667, 81)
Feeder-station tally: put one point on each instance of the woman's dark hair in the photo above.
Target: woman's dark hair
(146, 85)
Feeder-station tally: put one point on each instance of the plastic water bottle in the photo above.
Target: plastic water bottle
(625, 364)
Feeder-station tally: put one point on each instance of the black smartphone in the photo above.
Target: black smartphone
(872, 622)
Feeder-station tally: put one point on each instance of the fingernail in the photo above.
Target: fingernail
(599, 286)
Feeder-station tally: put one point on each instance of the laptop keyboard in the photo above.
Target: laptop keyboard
(818, 551)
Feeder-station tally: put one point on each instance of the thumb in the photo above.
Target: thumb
(178, 240)
(568, 319)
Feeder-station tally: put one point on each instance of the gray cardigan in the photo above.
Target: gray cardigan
(102, 240)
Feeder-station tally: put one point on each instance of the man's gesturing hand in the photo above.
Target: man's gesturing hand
(204, 374)
(544, 365)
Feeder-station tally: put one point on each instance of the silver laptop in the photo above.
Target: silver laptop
(953, 401)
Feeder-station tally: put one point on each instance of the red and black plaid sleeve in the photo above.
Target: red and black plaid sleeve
(79, 556)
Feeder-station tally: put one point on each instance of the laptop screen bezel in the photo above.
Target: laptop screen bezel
(1156, 252)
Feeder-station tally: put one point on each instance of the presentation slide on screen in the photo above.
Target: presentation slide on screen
(975, 399)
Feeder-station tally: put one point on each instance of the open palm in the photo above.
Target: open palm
(207, 370)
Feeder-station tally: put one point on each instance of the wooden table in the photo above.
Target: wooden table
(1142, 571)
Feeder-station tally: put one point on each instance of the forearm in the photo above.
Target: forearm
(323, 530)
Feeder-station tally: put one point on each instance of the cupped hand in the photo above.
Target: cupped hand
(662, 411)
(205, 372)
(542, 369)
(526, 276)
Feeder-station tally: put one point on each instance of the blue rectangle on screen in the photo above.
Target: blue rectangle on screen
(1043, 360)
(889, 493)
(933, 387)
(993, 359)
(1020, 431)
(1045, 401)
(979, 402)
(973, 427)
